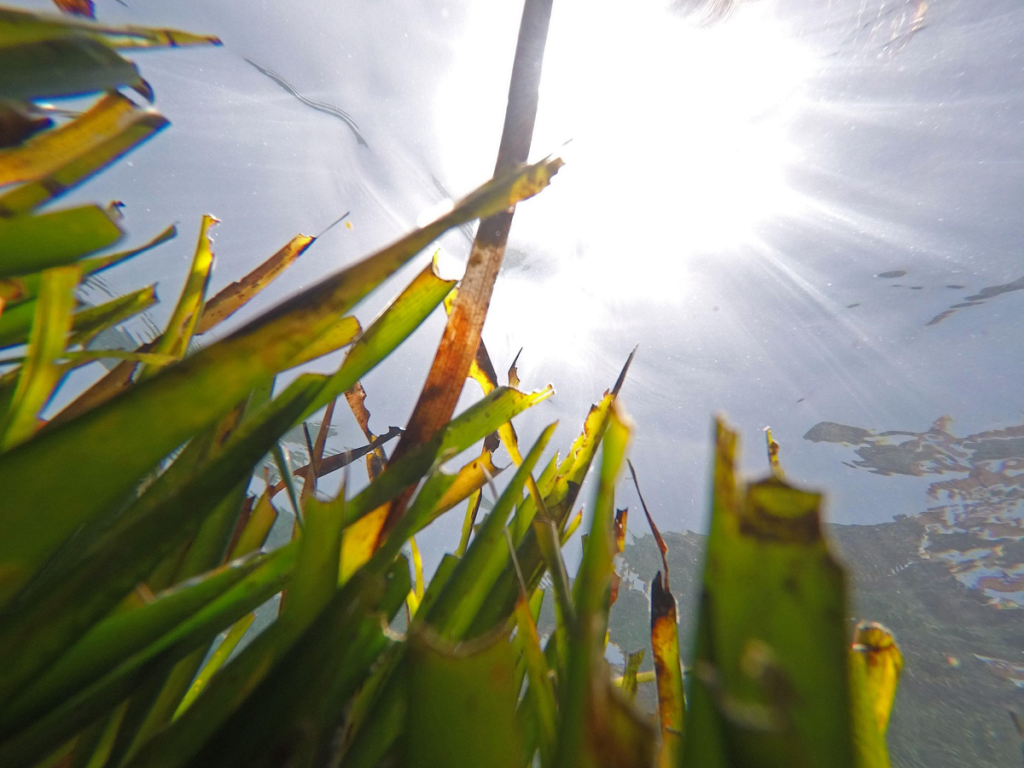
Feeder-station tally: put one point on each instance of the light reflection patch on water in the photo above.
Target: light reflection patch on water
(977, 528)
(1014, 673)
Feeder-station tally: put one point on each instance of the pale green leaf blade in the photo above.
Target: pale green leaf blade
(449, 610)
(64, 66)
(178, 333)
(586, 709)
(292, 681)
(198, 391)
(21, 288)
(541, 691)
(485, 559)
(40, 373)
(77, 711)
(771, 677)
(116, 638)
(559, 502)
(216, 661)
(33, 243)
(316, 577)
(461, 705)
(81, 590)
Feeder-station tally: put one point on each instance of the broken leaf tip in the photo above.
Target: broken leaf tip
(870, 636)
(554, 164)
(544, 394)
(662, 602)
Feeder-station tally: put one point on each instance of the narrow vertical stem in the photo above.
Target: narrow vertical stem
(462, 334)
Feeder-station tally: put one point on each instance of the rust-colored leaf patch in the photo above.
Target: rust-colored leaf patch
(668, 672)
(356, 399)
(84, 8)
(513, 373)
(620, 545)
(662, 546)
(233, 297)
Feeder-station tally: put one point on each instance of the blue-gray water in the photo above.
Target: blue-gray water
(807, 215)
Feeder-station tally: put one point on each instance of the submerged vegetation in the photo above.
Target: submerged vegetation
(132, 558)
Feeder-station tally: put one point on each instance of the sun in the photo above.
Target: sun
(665, 116)
(676, 136)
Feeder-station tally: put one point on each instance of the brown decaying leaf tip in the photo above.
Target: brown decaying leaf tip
(625, 369)
(77, 7)
(234, 296)
(662, 546)
(620, 529)
(620, 545)
(337, 461)
(317, 454)
(665, 644)
(316, 450)
(484, 367)
(18, 125)
(662, 602)
(356, 399)
(513, 374)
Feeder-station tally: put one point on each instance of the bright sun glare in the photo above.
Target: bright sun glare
(679, 136)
